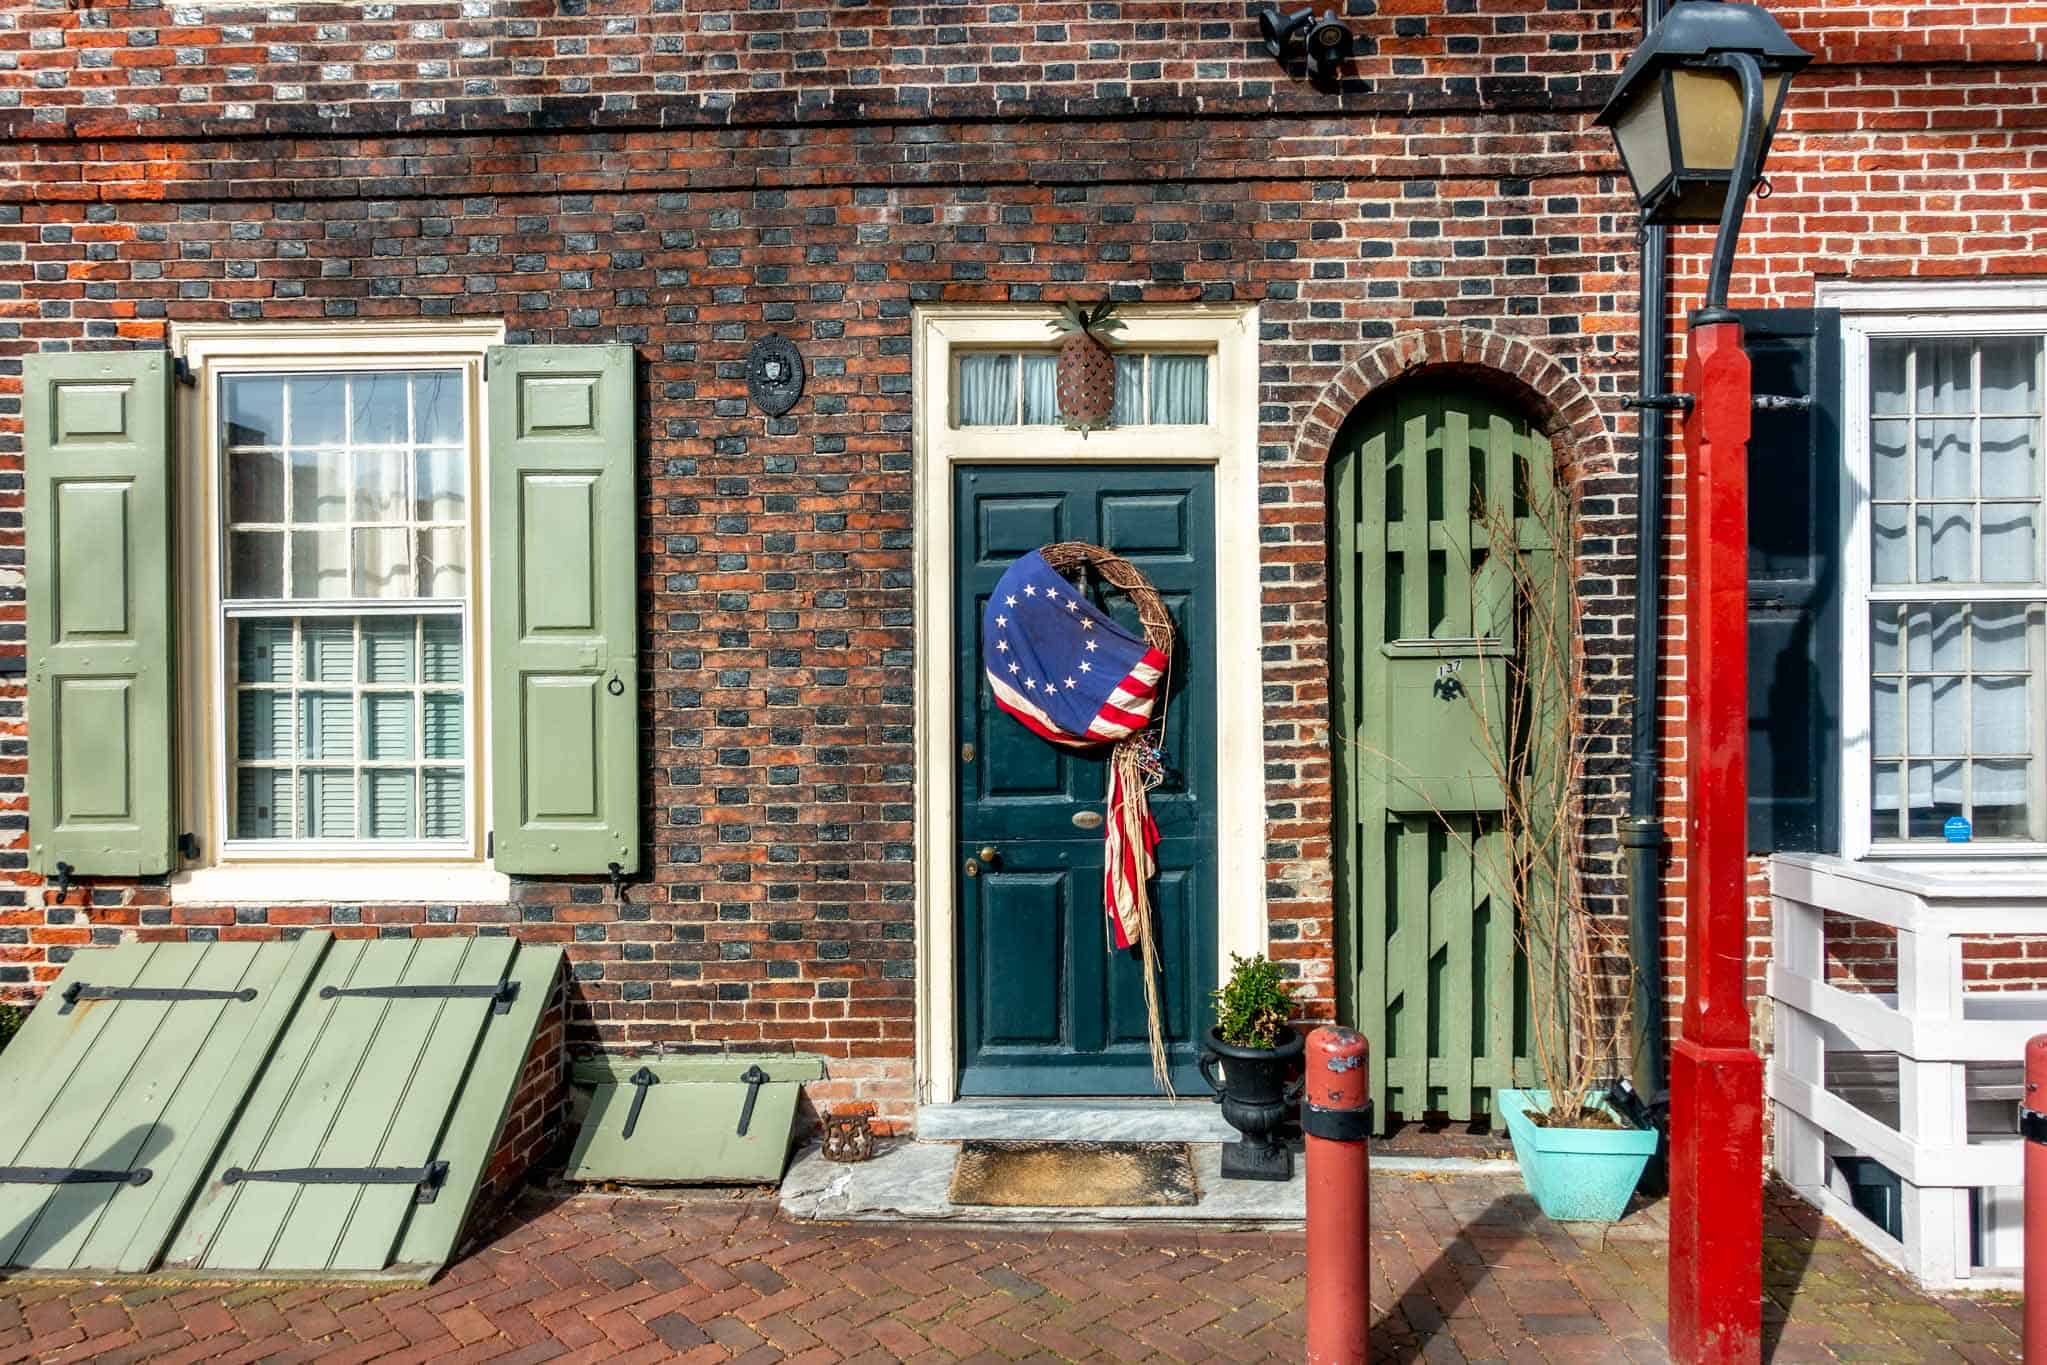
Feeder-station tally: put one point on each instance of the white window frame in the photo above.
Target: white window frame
(285, 871)
(1228, 334)
(1903, 310)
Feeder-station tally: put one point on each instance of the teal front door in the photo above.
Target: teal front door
(1044, 1006)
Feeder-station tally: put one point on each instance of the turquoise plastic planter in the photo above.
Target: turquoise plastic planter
(1577, 1175)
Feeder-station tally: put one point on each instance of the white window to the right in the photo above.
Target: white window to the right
(1953, 628)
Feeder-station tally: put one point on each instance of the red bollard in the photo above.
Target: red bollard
(1337, 1119)
(2033, 1126)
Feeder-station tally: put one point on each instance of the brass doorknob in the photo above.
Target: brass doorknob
(988, 854)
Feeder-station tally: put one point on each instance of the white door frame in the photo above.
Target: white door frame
(1230, 444)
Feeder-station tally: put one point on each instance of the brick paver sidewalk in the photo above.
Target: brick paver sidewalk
(1466, 1271)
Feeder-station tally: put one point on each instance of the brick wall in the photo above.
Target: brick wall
(533, 1120)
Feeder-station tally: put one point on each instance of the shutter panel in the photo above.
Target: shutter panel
(564, 670)
(97, 427)
(1794, 622)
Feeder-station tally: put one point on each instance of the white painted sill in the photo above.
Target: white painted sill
(342, 884)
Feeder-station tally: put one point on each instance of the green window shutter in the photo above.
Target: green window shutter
(564, 668)
(100, 689)
(1794, 589)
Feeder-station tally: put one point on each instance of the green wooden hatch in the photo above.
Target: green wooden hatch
(686, 1119)
(301, 1108)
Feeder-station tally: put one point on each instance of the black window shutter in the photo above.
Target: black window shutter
(1794, 583)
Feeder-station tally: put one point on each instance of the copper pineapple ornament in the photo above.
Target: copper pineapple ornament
(1086, 369)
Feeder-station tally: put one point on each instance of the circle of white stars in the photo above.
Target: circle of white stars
(1072, 603)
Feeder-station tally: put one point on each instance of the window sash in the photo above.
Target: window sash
(220, 756)
(1858, 807)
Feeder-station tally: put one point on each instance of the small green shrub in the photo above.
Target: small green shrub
(10, 1023)
(1252, 1008)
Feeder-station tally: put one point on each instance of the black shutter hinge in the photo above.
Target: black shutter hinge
(80, 990)
(64, 871)
(501, 994)
(639, 1081)
(429, 1177)
(490, 843)
(188, 846)
(181, 370)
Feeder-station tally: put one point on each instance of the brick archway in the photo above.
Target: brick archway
(1562, 404)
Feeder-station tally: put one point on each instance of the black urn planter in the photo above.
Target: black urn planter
(1256, 1100)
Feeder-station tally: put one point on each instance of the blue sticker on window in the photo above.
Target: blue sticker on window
(1956, 829)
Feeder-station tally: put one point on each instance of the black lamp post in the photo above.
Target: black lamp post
(1693, 114)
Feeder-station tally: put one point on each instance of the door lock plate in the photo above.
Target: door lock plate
(966, 753)
(1087, 819)
(973, 867)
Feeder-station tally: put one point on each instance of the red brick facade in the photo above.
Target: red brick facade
(684, 176)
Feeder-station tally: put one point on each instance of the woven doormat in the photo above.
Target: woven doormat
(1073, 1175)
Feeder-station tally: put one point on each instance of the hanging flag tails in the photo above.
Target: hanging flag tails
(1060, 665)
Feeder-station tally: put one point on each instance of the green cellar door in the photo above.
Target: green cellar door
(1425, 616)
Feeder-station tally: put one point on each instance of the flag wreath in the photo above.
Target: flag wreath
(1074, 677)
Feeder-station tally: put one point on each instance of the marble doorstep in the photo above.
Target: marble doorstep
(910, 1180)
(1075, 1121)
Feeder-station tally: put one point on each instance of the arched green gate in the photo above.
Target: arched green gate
(1426, 615)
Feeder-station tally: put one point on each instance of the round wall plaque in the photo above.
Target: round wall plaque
(774, 374)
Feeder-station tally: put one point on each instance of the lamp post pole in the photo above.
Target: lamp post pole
(1716, 1078)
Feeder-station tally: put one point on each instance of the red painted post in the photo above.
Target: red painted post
(1716, 1078)
(1337, 1120)
(2033, 1124)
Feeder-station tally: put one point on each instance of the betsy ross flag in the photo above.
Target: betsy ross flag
(1076, 678)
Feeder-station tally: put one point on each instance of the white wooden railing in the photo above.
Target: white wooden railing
(1945, 1126)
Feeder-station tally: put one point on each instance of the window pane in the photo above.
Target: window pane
(2000, 715)
(1040, 391)
(1933, 633)
(255, 486)
(443, 725)
(263, 804)
(1886, 721)
(1883, 634)
(1890, 551)
(2002, 799)
(1997, 637)
(441, 650)
(255, 564)
(441, 812)
(2011, 552)
(1883, 799)
(987, 394)
(2011, 457)
(1943, 463)
(383, 565)
(1888, 477)
(440, 493)
(378, 404)
(263, 651)
(1179, 389)
(1946, 554)
(1945, 382)
(263, 725)
(318, 413)
(2011, 374)
(319, 564)
(328, 798)
(254, 410)
(1887, 375)
(380, 485)
(387, 645)
(443, 562)
(387, 801)
(387, 726)
(327, 725)
(329, 651)
(319, 486)
(437, 407)
(1129, 409)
